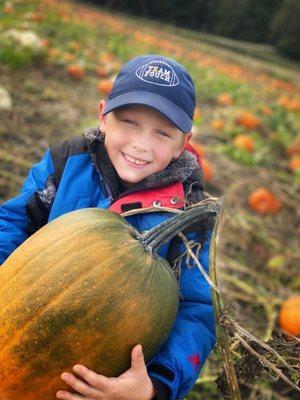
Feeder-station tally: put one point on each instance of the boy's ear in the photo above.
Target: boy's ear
(102, 120)
(187, 138)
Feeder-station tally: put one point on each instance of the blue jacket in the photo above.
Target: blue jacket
(78, 174)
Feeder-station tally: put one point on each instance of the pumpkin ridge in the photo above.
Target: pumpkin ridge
(44, 309)
(21, 373)
(38, 282)
(18, 252)
(40, 276)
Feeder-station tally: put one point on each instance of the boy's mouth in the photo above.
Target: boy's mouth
(135, 161)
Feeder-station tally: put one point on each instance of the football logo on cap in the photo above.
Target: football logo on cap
(158, 73)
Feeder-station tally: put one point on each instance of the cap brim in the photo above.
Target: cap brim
(162, 104)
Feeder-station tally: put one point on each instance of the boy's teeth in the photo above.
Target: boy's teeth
(134, 161)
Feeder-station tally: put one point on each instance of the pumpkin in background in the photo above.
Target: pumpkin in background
(289, 315)
(293, 149)
(218, 124)
(248, 120)
(263, 201)
(207, 169)
(294, 164)
(76, 71)
(85, 288)
(224, 99)
(244, 142)
(102, 71)
(105, 86)
(197, 147)
(197, 114)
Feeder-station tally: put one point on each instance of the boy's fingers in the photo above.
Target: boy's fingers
(99, 382)
(63, 395)
(137, 357)
(80, 386)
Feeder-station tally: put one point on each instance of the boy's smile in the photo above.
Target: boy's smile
(135, 162)
(140, 141)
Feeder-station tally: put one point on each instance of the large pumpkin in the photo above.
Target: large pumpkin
(84, 289)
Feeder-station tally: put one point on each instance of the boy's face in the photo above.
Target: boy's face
(140, 141)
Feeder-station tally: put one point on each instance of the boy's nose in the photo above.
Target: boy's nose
(140, 147)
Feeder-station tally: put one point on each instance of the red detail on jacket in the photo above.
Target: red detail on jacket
(171, 196)
(194, 359)
(191, 149)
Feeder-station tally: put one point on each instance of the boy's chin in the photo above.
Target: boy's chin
(131, 179)
(129, 183)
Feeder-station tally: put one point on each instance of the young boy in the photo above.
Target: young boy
(136, 158)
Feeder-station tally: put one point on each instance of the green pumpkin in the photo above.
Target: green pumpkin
(85, 288)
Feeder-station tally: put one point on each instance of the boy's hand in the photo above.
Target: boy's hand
(134, 384)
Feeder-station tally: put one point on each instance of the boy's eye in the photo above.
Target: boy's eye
(162, 133)
(131, 122)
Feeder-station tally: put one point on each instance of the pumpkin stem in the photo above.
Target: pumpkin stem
(165, 231)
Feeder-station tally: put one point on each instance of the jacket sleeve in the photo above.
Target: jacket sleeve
(16, 219)
(192, 338)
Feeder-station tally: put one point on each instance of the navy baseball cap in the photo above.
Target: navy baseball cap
(157, 82)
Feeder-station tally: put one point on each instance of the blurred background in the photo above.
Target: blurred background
(58, 59)
(274, 22)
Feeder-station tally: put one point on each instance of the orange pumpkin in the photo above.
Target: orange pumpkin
(267, 110)
(197, 113)
(102, 72)
(105, 86)
(36, 17)
(8, 8)
(289, 315)
(244, 142)
(294, 105)
(289, 104)
(218, 124)
(293, 149)
(207, 170)
(263, 201)
(45, 43)
(294, 164)
(197, 146)
(75, 45)
(106, 57)
(247, 120)
(54, 52)
(68, 57)
(224, 99)
(75, 71)
(283, 101)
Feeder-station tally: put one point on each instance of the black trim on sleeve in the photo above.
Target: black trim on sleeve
(161, 389)
(163, 371)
